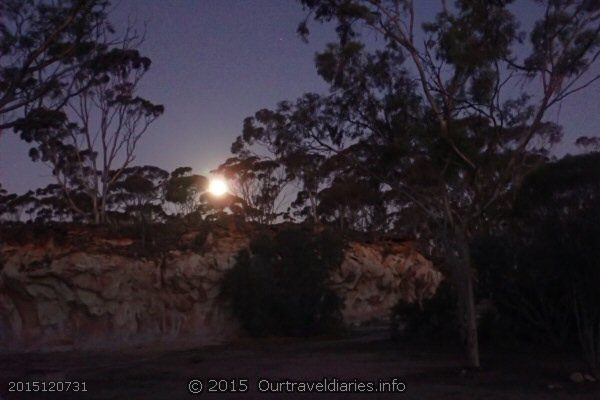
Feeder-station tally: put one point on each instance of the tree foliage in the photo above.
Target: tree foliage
(184, 189)
(258, 184)
(43, 46)
(90, 143)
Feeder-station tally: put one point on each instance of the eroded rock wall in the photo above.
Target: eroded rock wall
(374, 277)
(62, 296)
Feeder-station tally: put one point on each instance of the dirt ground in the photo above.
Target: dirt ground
(428, 372)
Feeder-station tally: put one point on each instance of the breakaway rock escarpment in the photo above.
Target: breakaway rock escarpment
(99, 295)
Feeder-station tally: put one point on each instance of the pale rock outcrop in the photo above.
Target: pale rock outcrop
(62, 296)
(374, 277)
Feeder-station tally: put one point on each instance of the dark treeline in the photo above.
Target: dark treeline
(447, 142)
(139, 194)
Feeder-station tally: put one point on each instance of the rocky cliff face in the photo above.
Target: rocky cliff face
(98, 295)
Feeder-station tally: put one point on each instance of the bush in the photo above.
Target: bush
(280, 286)
(529, 292)
(543, 272)
(435, 318)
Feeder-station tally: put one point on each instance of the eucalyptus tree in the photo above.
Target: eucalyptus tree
(43, 45)
(93, 139)
(258, 183)
(53, 206)
(482, 119)
(5, 199)
(298, 137)
(184, 189)
(139, 191)
(14, 206)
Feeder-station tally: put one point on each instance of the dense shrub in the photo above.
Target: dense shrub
(538, 272)
(528, 291)
(542, 272)
(280, 285)
(435, 318)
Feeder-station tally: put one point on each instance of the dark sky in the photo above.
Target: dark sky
(216, 62)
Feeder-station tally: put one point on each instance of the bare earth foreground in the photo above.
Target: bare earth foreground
(428, 372)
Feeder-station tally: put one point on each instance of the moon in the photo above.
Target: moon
(218, 187)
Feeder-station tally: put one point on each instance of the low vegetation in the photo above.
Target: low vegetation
(279, 286)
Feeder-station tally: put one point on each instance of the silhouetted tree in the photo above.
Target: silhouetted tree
(184, 189)
(259, 184)
(89, 147)
(15, 206)
(306, 168)
(5, 199)
(139, 193)
(353, 204)
(43, 46)
(300, 136)
(53, 206)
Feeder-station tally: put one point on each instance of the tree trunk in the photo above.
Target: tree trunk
(313, 205)
(102, 208)
(143, 223)
(463, 273)
(95, 208)
(103, 212)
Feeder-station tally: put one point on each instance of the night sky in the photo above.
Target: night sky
(216, 62)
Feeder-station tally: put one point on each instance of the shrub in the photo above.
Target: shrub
(435, 318)
(280, 285)
(543, 272)
(527, 289)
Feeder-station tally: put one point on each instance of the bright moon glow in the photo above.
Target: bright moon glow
(217, 187)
